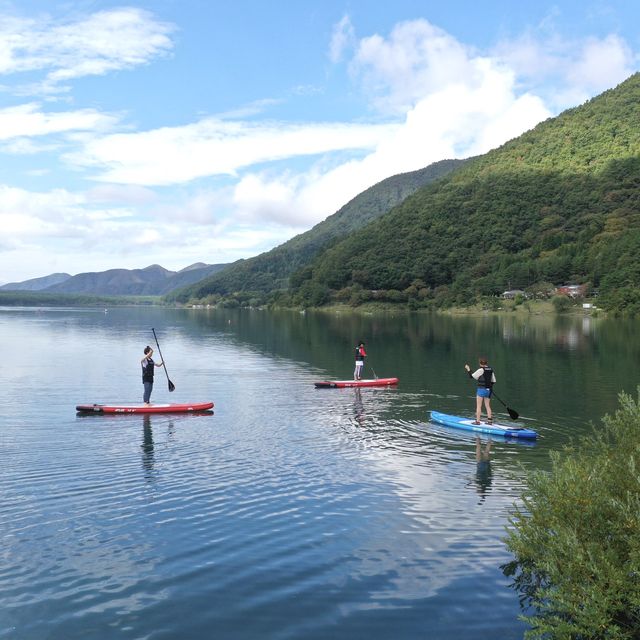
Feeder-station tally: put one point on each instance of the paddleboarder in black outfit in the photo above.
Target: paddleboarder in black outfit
(148, 368)
(486, 378)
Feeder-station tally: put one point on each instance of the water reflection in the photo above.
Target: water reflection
(147, 449)
(345, 498)
(358, 406)
(483, 469)
(561, 332)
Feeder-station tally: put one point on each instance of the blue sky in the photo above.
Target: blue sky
(175, 132)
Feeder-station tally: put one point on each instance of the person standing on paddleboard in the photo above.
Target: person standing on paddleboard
(486, 378)
(360, 356)
(148, 368)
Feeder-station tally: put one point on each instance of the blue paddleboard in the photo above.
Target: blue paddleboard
(495, 429)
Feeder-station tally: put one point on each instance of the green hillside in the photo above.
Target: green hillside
(270, 271)
(560, 203)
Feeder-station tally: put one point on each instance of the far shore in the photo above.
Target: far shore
(505, 307)
(529, 307)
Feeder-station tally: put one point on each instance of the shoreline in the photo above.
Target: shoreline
(507, 308)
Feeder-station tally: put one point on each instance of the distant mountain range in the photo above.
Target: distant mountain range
(151, 281)
(558, 204)
(36, 284)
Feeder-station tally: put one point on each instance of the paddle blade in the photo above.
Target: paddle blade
(172, 387)
(513, 414)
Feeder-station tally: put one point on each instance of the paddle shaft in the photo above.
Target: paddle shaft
(512, 414)
(171, 385)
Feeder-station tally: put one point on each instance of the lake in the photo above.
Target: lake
(291, 511)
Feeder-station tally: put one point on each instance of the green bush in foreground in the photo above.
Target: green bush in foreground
(576, 537)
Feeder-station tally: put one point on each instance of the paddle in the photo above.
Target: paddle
(375, 375)
(171, 385)
(514, 415)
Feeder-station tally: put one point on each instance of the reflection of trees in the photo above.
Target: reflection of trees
(541, 361)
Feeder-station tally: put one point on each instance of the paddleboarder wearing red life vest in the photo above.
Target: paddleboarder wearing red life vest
(361, 354)
(486, 378)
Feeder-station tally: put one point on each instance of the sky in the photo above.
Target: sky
(180, 131)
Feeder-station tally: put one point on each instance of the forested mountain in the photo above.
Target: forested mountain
(560, 203)
(153, 280)
(270, 271)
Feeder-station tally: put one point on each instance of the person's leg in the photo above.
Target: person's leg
(355, 371)
(148, 386)
(487, 406)
(478, 408)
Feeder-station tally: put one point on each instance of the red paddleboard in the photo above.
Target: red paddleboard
(339, 384)
(142, 408)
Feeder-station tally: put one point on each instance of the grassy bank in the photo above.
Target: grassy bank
(529, 307)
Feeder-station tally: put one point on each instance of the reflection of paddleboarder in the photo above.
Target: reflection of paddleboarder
(483, 468)
(358, 406)
(147, 445)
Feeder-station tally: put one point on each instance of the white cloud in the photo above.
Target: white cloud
(95, 45)
(601, 64)
(417, 59)
(259, 197)
(342, 38)
(466, 114)
(175, 155)
(28, 120)
(457, 105)
(121, 194)
(563, 72)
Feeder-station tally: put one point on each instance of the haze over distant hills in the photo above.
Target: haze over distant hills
(151, 281)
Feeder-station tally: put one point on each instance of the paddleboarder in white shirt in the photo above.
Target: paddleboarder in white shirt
(486, 378)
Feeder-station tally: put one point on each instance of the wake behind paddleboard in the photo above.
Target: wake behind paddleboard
(496, 429)
(142, 408)
(339, 384)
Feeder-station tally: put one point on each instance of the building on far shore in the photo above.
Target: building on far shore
(572, 290)
(513, 293)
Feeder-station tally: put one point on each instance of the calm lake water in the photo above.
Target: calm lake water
(291, 512)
